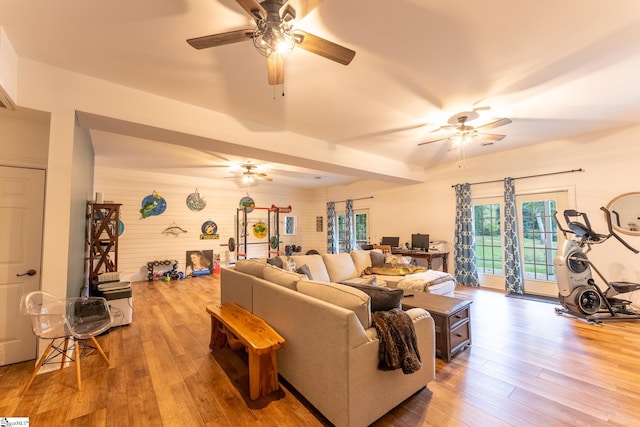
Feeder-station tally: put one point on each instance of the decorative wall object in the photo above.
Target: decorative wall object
(199, 263)
(153, 204)
(247, 202)
(196, 202)
(290, 224)
(209, 230)
(260, 229)
(319, 223)
(173, 230)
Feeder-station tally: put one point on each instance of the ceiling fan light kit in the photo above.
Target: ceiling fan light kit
(274, 36)
(250, 176)
(464, 133)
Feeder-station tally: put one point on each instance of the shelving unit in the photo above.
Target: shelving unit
(103, 220)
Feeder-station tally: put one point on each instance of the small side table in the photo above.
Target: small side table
(452, 318)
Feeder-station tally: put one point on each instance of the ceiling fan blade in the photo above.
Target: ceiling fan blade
(324, 48)
(491, 137)
(221, 39)
(495, 124)
(275, 69)
(263, 178)
(302, 7)
(253, 8)
(435, 140)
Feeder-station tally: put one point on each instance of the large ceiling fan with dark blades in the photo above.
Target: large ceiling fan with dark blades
(274, 35)
(464, 133)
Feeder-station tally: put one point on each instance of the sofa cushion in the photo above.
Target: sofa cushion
(382, 299)
(361, 260)
(315, 264)
(251, 266)
(281, 277)
(340, 295)
(340, 267)
(377, 258)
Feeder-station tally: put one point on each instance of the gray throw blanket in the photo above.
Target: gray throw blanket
(398, 342)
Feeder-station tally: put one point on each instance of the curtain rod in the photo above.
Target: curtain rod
(524, 177)
(361, 198)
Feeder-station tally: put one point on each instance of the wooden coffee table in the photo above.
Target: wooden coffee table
(452, 318)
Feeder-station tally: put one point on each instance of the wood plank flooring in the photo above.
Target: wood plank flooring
(527, 367)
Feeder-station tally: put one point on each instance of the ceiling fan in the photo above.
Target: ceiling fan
(464, 133)
(274, 35)
(250, 175)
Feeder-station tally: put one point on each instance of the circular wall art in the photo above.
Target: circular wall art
(196, 202)
(209, 228)
(153, 204)
(248, 203)
(260, 230)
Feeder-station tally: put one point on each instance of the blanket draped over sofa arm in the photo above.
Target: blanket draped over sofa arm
(398, 342)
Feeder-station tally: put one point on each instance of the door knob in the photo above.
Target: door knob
(31, 272)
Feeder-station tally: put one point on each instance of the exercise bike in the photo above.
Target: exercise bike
(579, 294)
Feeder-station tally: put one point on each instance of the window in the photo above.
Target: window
(361, 229)
(539, 239)
(538, 236)
(488, 238)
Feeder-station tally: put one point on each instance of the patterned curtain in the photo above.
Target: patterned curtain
(349, 227)
(464, 248)
(332, 231)
(514, 282)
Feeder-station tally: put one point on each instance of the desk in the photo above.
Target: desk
(429, 256)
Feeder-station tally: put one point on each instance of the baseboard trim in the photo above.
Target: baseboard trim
(534, 297)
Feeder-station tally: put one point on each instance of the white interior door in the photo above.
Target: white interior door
(21, 217)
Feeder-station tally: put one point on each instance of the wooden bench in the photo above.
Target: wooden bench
(233, 325)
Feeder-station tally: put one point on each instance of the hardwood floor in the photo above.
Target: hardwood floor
(527, 367)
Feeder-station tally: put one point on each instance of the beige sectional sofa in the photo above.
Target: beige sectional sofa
(331, 347)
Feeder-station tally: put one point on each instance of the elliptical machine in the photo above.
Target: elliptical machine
(579, 294)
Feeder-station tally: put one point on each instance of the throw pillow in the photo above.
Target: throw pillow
(377, 258)
(382, 299)
(304, 269)
(366, 280)
(290, 265)
(398, 259)
(276, 262)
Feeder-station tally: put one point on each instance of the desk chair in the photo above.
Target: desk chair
(62, 320)
(386, 249)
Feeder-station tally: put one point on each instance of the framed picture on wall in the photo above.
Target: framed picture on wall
(290, 225)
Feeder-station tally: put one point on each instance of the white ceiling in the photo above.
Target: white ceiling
(557, 68)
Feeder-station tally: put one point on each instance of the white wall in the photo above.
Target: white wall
(610, 162)
(81, 190)
(143, 241)
(24, 141)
